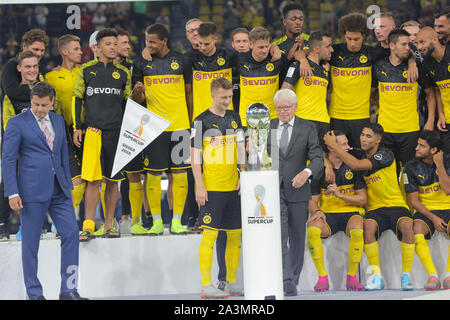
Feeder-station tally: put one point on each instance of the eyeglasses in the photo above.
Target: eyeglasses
(191, 31)
(283, 108)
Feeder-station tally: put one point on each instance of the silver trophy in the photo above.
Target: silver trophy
(258, 122)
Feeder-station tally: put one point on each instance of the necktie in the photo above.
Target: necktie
(284, 141)
(48, 136)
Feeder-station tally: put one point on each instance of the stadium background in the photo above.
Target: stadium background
(16, 19)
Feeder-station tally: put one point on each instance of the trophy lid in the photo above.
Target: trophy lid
(257, 112)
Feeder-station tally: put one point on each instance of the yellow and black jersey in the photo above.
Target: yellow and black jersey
(205, 70)
(439, 73)
(422, 178)
(164, 80)
(311, 92)
(351, 78)
(63, 81)
(347, 181)
(383, 189)
(285, 44)
(259, 81)
(217, 137)
(397, 97)
(102, 92)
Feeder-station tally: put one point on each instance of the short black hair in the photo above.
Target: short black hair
(291, 7)
(397, 33)
(159, 29)
(376, 128)
(316, 37)
(443, 12)
(206, 29)
(432, 138)
(107, 32)
(42, 89)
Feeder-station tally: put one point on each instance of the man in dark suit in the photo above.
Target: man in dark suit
(37, 179)
(293, 142)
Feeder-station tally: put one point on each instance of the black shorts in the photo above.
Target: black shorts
(351, 128)
(169, 150)
(75, 154)
(403, 145)
(135, 165)
(443, 214)
(339, 221)
(222, 211)
(387, 218)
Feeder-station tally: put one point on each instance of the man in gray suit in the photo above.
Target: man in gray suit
(293, 142)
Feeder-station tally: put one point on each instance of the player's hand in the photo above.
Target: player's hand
(413, 73)
(438, 158)
(201, 195)
(16, 203)
(146, 54)
(319, 215)
(295, 47)
(329, 139)
(275, 52)
(326, 66)
(333, 189)
(441, 123)
(238, 187)
(300, 179)
(429, 125)
(330, 176)
(305, 69)
(439, 224)
(77, 137)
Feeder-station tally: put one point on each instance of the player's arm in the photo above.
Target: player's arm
(413, 70)
(413, 200)
(77, 104)
(358, 199)
(441, 123)
(201, 195)
(431, 106)
(314, 210)
(189, 100)
(7, 111)
(292, 76)
(354, 163)
(444, 179)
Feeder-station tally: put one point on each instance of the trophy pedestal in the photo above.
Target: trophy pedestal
(261, 235)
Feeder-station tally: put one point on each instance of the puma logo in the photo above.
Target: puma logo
(342, 58)
(94, 73)
(150, 67)
(246, 67)
(62, 77)
(384, 72)
(421, 176)
(215, 126)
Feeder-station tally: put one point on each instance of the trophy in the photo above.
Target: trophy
(258, 122)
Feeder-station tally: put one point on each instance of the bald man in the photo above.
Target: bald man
(436, 64)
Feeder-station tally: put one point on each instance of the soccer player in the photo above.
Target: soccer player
(337, 207)
(209, 63)
(398, 113)
(442, 25)
(427, 185)
(259, 73)
(102, 86)
(217, 142)
(165, 84)
(436, 63)
(241, 43)
(63, 81)
(386, 205)
(312, 92)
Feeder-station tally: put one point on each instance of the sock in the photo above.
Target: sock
(407, 255)
(205, 255)
(78, 193)
(233, 254)
(89, 225)
(423, 252)
(373, 256)
(355, 250)
(136, 196)
(180, 191)
(102, 198)
(316, 249)
(154, 194)
(447, 269)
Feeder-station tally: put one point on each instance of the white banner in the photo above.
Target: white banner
(261, 235)
(140, 127)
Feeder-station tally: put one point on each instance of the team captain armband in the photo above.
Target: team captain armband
(381, 159)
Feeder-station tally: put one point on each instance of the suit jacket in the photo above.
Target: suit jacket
(28, 165)
(303, 146)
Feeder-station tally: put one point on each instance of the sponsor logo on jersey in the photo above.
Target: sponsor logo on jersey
(174, 65)
(234, 124)
(363, 59)
(405, 74)
(216, 142)
(396, 88)
(258, 82)
(91, 91)
(221, 61)
(155, 81)
(430, 189)
(315, 82)
(211, 75)
(349, 73)
(349, 175)
(116, 75)
(270, 67)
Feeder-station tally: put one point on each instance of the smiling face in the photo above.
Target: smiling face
(222, 98)
(37, 47)
(155, 45)
(285, 109)
(29, 69)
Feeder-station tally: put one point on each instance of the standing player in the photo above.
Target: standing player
(437, 64)
(427, 185)
(63, 81)
(218, 143)
(337, 207)
(241, 43)
(442, 25)
(259, 72)
(102, 86)
(312, 91)
(386, 206)
(398, 99)
(165, 84)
